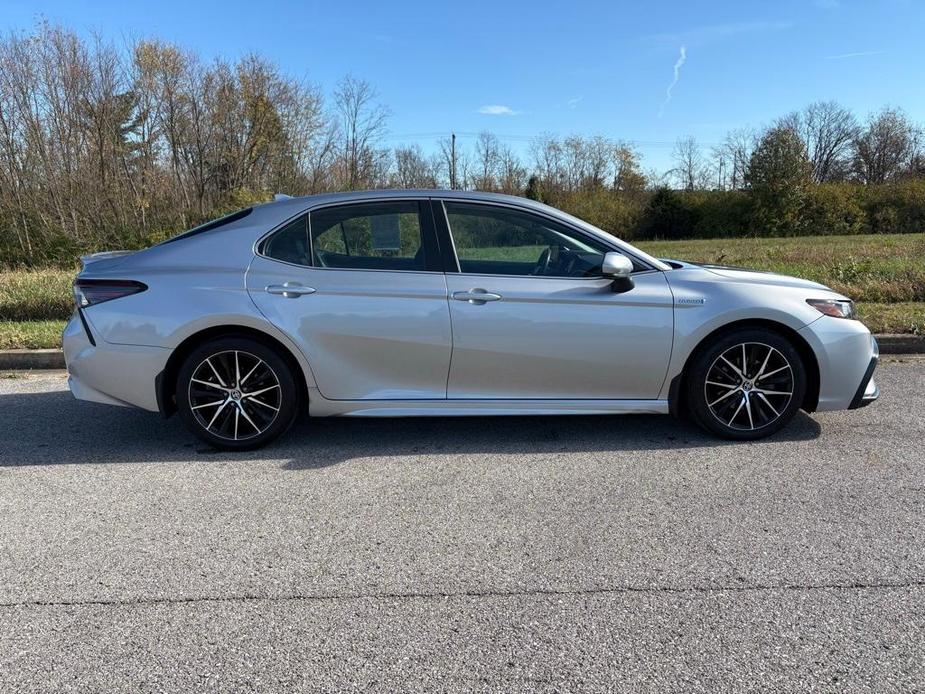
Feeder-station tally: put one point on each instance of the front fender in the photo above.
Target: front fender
(725, 303)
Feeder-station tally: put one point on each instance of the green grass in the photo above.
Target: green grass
(36, 295)
(885, 274)
(907, 317)
(37, 334)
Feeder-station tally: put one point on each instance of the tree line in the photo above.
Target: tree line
(104, 147)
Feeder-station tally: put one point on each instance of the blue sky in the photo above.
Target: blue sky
(520, 69)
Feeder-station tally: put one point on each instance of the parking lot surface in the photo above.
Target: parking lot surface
(506, 554)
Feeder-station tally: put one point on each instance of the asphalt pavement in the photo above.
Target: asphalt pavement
(487, 554)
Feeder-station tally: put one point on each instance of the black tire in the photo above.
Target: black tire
(251, 408)
(759, 404)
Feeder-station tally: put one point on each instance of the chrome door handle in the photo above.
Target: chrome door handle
(476, 296)
(291, 290)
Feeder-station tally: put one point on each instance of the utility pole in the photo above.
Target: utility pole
(453, 161)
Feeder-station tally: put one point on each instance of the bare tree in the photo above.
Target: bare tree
(736, 152)
(363, 123)
(690, 165)
(548, 161)
(887, 147)
(828, 131)
(487, 161)
(597, 152)
(413, 169)
(512, 175)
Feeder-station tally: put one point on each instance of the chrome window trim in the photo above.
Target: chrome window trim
(258, 244)
(449, 230)
(526, 210)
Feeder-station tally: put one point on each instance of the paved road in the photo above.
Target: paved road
(500, 555)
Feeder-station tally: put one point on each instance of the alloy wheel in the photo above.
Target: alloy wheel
(234, 395)
(749, 386)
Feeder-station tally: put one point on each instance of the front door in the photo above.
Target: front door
(360, 288)
(533, 317)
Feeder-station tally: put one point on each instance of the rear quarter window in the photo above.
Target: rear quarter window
(213, 225)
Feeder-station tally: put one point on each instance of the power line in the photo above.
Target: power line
(525, 138)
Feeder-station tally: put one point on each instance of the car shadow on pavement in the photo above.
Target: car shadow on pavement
(51, 428)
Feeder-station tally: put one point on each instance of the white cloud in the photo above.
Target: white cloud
(859, 54)
(498, 110)
(679, 63)
(573, 102)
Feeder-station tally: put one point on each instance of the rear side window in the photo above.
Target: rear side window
(369, 236)
(290, 244)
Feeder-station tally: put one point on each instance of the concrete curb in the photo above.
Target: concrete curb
(27, 359)
(901, 344)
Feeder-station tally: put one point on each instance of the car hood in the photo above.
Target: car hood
(744, 275)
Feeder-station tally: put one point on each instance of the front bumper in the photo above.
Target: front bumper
(100, 371)
(868, 391)
(846, 354)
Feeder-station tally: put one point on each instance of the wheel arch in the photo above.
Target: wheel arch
(165, 382)
(676, 390)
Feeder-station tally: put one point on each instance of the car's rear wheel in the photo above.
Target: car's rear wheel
(746, 384)
(236, 393)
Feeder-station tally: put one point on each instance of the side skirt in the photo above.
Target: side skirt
(319, 407)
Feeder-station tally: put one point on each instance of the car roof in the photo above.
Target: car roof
(387, 193)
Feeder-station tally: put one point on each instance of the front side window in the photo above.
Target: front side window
(368, 236)
(493, 240)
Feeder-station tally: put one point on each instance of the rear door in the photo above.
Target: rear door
(533, 317)
(360, 288)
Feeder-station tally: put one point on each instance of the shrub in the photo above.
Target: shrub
(721, 213)
(894, 208)
(669, 215)
(608, 210)
(833, 208)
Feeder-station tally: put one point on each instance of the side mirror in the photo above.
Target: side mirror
(619, 268)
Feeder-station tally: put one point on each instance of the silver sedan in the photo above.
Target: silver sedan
(416, 303)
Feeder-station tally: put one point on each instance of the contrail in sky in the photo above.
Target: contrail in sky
(677, 75)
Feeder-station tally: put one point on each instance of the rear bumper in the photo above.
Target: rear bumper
(100, 371)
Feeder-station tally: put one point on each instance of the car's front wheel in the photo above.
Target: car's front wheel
(746, 384)
(236, 393)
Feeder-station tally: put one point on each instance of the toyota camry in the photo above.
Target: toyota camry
(416, 303)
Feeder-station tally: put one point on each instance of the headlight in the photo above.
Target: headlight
(837, 308)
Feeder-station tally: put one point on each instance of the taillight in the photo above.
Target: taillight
(91, 292)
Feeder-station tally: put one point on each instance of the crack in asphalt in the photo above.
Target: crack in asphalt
(543, 592)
